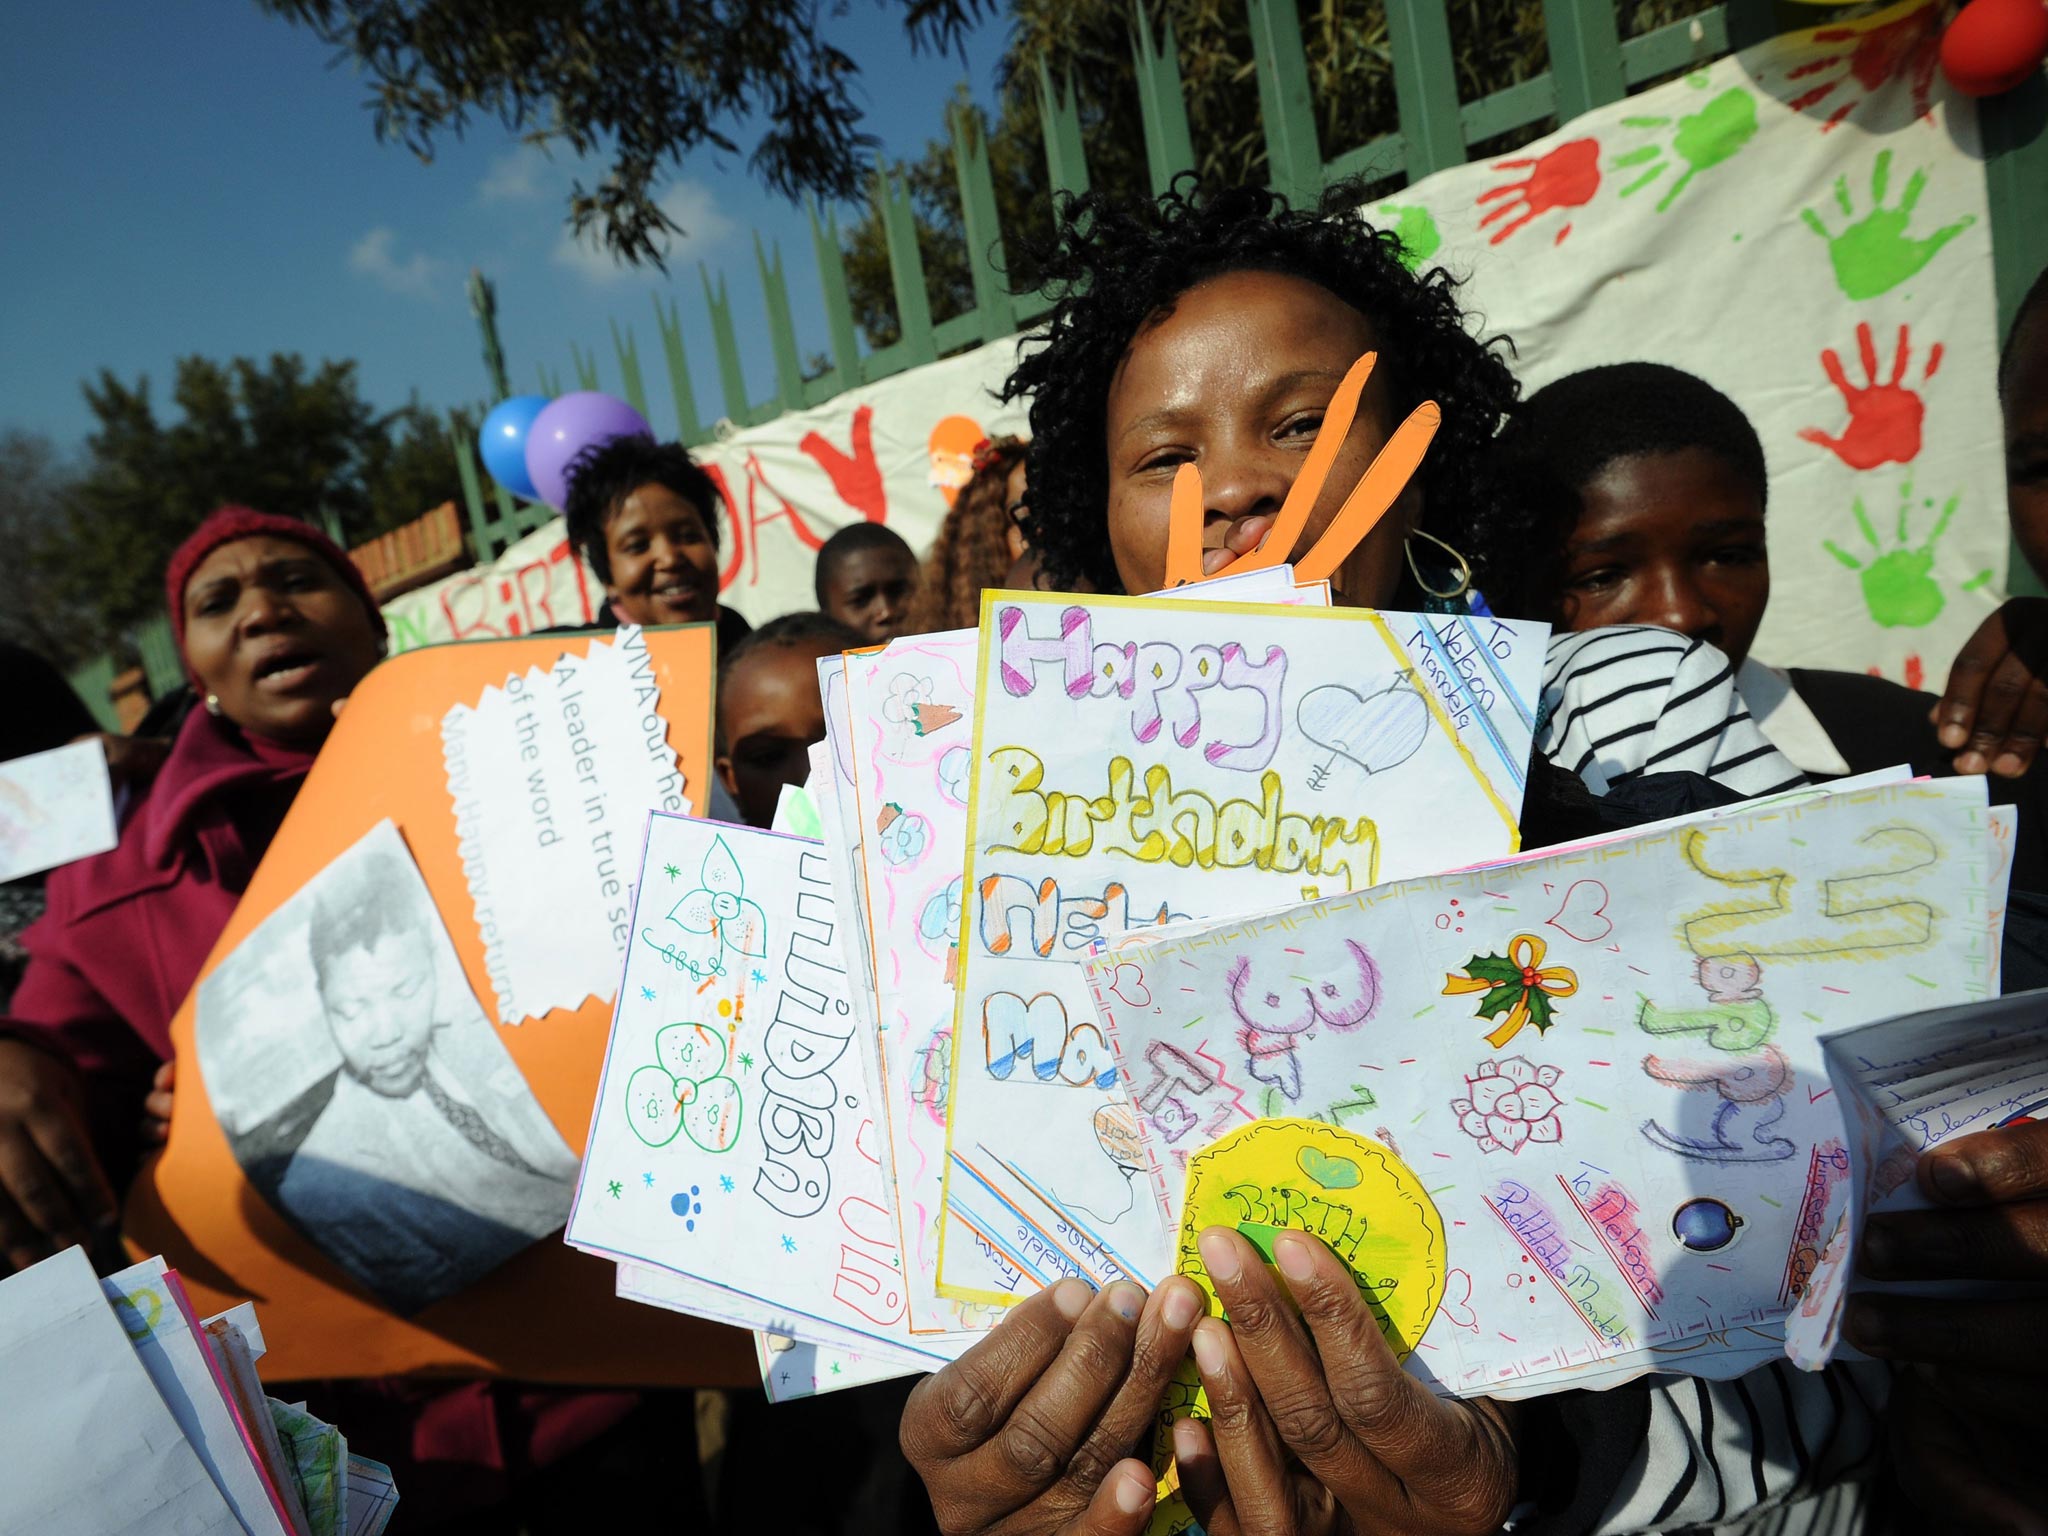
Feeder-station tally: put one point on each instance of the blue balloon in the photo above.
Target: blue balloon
(502, 442)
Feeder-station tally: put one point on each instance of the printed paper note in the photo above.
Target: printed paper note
(364, 1093)
(552, 777)
(1140, 762)
(1604, 1063)
(55, 807)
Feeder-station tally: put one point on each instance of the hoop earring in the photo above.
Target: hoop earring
(1463, 568)
(213, 705)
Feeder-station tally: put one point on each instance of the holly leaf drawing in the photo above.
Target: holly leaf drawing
(1506, 977)
(1540, 1009)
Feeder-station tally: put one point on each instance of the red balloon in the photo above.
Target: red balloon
(1994, 45)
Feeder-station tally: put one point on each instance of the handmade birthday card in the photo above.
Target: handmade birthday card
(1603, 1064)
(733, 1139)
(1138, 762)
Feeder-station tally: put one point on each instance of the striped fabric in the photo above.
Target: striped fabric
(1779, 1452)
(1622, 702)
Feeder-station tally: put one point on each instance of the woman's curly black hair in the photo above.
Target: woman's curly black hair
(1118, 263)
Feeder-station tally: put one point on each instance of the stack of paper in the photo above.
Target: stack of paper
(128, 1414)
(1909, 1085)
(1108, 878)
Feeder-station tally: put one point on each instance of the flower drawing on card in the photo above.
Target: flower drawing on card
(1509, 1104)
(713, 920)
(687, 1091)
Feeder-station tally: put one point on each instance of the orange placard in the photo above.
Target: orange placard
(547, 1315)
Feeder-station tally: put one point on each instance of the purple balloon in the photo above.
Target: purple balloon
(567, 427)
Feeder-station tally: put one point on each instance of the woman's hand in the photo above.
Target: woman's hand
(1032, 1430)
(156, 1109)
(1378, 1446)
(1994, 711)
(1962, 1423)
(52, 1190)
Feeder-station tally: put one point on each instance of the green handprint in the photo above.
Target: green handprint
(1415, 227)
(1898, 585)
(1872, 255)
(1704, 140)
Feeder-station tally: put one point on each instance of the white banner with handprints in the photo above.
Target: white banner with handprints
(894, 452)
(1803, 224)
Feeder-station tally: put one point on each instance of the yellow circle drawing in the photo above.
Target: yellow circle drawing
(1367, 1206)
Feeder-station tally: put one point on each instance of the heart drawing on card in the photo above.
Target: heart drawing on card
(1376, 733)
(1327, 1170)
(1128, 983)
(1583, 913)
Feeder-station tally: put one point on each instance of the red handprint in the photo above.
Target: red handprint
(1884, 419)
(1567, 177)
(1910, 45)
(1916, 673)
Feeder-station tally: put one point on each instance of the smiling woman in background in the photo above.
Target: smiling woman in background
(644, 515)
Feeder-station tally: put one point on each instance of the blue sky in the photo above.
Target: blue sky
(198, 178)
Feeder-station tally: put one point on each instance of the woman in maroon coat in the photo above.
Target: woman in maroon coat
(276, 626)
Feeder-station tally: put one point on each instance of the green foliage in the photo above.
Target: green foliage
(36, 511)
(273, 435)
(642, 85)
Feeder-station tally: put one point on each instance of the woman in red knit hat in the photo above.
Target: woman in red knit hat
(276, 626)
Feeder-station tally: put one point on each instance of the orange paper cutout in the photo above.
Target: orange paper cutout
(196, 1208)
(1308, 485)
(1378, 489)
(1184, 517)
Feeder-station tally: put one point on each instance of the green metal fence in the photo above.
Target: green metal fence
(1590, 66)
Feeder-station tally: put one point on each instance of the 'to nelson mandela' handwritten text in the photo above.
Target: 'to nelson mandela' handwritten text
(1159, 825)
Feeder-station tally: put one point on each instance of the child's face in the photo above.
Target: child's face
(769, 717)
(1235, 380)
(869, 591)
(1670, 539)
(664, 565)
(2026, 439)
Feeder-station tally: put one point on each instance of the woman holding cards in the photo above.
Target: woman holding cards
(1222, 333)
(276, 626)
